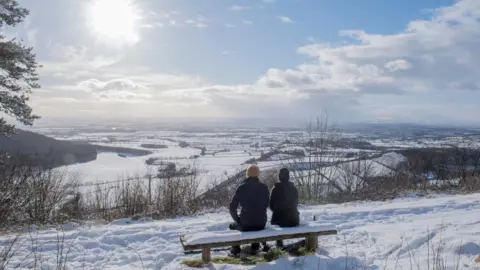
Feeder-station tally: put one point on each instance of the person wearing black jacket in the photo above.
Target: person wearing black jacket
(284, 202)
(253, 197)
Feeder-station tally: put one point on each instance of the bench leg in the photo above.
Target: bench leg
(206, 255)
(311, 241)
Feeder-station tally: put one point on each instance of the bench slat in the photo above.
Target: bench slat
(188, 247)
(232, 235)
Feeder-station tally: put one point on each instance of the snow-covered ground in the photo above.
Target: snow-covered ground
(216, 165)
(109, 167)
(401, 234)
(225, 155)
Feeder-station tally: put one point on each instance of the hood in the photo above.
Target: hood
(284, 175)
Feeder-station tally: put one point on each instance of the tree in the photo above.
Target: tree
(17, 70)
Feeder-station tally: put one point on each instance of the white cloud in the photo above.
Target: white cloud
(227, 53)
(398, 64)
(95, 85)
(247, 22)
(238, 8)
(70, 62)
(435, 52)
(285, 19)
(123, 90)
(369, 76)
(32, 37)
(200, 21)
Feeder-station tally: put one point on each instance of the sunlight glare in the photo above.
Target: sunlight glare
(114, 20)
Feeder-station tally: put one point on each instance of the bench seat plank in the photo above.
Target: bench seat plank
(230, 237)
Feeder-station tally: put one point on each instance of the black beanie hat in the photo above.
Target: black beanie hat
(284, 175)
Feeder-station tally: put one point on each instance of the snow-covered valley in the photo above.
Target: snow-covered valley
(412, 232)
(408, 233)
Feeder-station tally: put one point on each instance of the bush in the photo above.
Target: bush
(150, 195)
(32, 194)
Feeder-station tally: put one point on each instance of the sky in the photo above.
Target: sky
(371, 60)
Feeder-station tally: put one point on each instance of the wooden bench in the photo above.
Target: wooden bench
(205, 241)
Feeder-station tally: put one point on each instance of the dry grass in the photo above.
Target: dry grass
(250, 260)
(272, 255)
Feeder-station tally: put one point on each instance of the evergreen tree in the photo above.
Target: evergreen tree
(17, 70)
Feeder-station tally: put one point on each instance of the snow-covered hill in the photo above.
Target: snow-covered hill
(408, 233)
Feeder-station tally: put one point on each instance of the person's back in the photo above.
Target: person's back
(284, 202)
(252, 196)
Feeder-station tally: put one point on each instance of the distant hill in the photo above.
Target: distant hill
(47, 151)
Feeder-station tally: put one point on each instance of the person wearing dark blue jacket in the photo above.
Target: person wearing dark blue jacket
(284, 203)
(253, 198)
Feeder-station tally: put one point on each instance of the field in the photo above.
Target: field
(217, 155)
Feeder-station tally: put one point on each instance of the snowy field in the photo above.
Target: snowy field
(225, 153)
(401, 234)
(109, 167)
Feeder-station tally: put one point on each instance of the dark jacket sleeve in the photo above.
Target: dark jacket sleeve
(266, 197)
(295, 196)
(273, 198)
(234, 205)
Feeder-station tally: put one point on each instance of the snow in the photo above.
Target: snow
(278, 157)
(107, 167)
(391, 159)
(398, 234)
(225, 236)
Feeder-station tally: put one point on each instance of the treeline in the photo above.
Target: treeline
(46, 151)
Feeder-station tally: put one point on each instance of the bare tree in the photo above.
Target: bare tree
(312, 174)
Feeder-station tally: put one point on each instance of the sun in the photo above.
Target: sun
(114, 20)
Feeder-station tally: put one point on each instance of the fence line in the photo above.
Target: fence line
(151, 177)
(128, 179)
(147, 177)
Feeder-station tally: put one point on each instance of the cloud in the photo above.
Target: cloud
(365, 76)
(238, 8)
(73, 62)
(285, 19)
(200, 21)
(227, 53)
(152, 19)
(31, 33)
(153, 25)
(398, 64)
(32, 37)
(247, 22)
(123, 90)
(201, 25)
(429, 55)
(95, 85)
